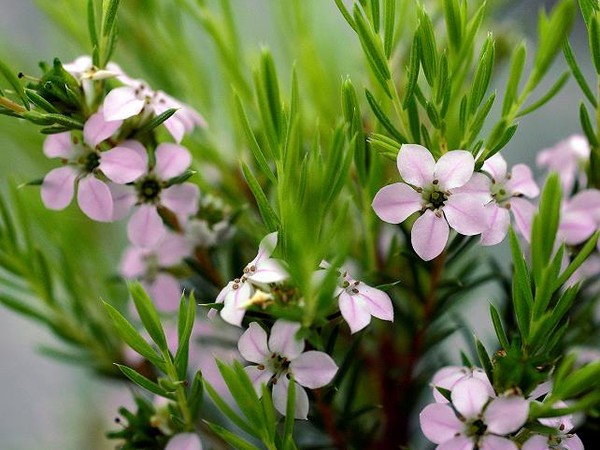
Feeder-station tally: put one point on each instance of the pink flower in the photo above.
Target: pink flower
(563, 439)
(152, 190)
(184, 441)
(148, 265)
(83, 162)
(280, 360)
(136, 97)
(475, 419)
(430, 187)
(567, 158)
(448, 377)
(507, 192)
(256, 276)
(580, 217)
(358, 302)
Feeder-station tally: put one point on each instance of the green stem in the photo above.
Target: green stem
(179, 393)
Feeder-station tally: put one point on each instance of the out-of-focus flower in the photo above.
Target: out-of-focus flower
(430, 187)
(280, 360)
(259, 272)
(482, 422)
(83, 161)
(508, 191)
(151, 191)
(447, 377)
(184, 441)
(580, 217)
(567, 158)
(564, 439)
(148, 265)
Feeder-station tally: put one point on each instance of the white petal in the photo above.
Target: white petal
(59, 145)
(184, 441)
(429, 235)
(58, 187)
(469, 397)
(268, 271)
(97, 129)
(415, 164)
(313, 369)
(396, 202)
(122, 103)
(454, 169)
(94, 199)
(439, 423)
(145, 228)
(378, 303)
(253, 344)
(265, 248)
(506, 415)
(233, 312)
(280, 391)
(171, 160)
(496, 167)
(465, 214)
(283, 340)
(354, 311)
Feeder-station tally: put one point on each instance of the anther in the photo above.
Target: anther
(436, 182)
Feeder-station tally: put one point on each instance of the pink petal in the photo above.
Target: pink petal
(283, 339)
(145, 228)
(313, 369)
(124, 198)
(280, 395)
(536, 442)
(415, 164)
(58, 187)
(479, 186)
(94, 199)
(575, 227)
(166, 291)
(175, 126)
(171, 160)
(523, 211)
(506, 415)
(133, 262)
(253, 344)
(395, 202)
(498, 222)
(587, 201)
(454, 169)
(429, 235)
(172, 249)
(469, 396)
(457, 443)
(268, 271)
(184, 441)
(377, 302)
(572, 442)
(491, 442)
(122, 165)
(522, 182)
(465, 214)
(258, 377)
(122, 103)
(354, 311)
(182, 199)
(97, 129)
(234, 310)
(59, 145)
(137, 147)
(439, 423)
(496, 167)
(446, 378)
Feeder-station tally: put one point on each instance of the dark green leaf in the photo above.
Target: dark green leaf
(144, 382)
(148, 314)
(266, 211)
(156, 121)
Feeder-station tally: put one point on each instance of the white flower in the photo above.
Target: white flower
(280, 360)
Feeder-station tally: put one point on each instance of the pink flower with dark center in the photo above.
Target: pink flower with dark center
(507, 193)
(431, 188)
(151, 190)
(136, 97)
(149, 265)
(256, 276)
(83, 162)
(448, 377)
(580, 217)
(281, 360)
(475, 419)
(563, 440)
(568, 158)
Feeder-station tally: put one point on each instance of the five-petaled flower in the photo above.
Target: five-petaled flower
(256, 277)
(563, 439)
(567, 158)
(83, 162)
(430, 187)
(281, 360)
(475, 419)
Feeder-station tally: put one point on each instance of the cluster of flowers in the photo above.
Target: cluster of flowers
(468, 413)
(263, 282)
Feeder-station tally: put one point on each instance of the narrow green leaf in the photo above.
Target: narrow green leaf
(504, 139)
(228, 411)
(233, 439)
(500, 333)
(64, 121)
(514, 78)
(375, 15)
(389, 26)
(148, 314)
(195, 397)
(110, 8)
(40, 101)
(414, 120)
(454, 26)
(290, 410)
(521, 287)
(266, 211)
(383, 118)
(14, 82)
(483, 74)
(581, 257)
(556, 87)
(428, 53)
(588, 10)
(578, 74)
(24, 309)
(132, 338)
(156, 121)
(144, 382)
(594, 41)
(484, 358)
(186, 317)
(414, 64)
(91, 21)
(586, 125)
(345, 13)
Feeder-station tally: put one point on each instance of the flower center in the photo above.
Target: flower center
(500, 193)
(350, 287)
(91, 161)
(433, 197)
(279, 365)
(476, 428)
(149, 190)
